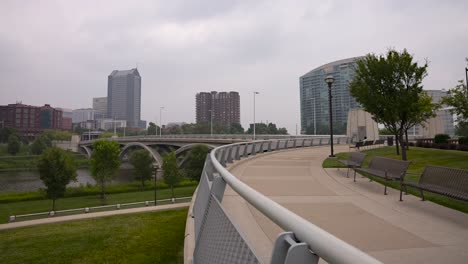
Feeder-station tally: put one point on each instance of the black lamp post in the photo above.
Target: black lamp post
(466, 73)
(329, 80)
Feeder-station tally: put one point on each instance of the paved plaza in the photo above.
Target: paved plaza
(411, 231)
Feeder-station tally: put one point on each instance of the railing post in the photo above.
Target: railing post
(229, 157)
(254, 149)
(218, 186)
(269, 146)
(277, 145)
(237, 156)
(289, 251)
(246, 154)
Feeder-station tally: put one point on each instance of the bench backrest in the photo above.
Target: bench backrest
(358, 157)
(379, 141)
(392, 166)
(456, 179)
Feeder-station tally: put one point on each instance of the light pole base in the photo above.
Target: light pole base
(331, 156)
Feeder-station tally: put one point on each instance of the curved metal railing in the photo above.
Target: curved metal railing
(210, 219)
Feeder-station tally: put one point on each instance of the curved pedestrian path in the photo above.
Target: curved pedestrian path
(357, 212)
(58, 219)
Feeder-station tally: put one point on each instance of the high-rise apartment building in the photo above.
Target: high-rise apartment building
(314, 97)
(100, 106)
(223, 107)
(124, 96)
(30, 120)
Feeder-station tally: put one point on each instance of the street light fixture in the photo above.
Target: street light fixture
(211, 121)
(254, 93)
(160, 120)
(329, 80)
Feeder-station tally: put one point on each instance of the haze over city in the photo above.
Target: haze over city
(61, 53)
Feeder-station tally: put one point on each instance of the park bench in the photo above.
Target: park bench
(387, 169)
(358, 145)
(355, 162)
(450, 182)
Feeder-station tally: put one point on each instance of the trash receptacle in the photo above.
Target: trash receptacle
(389, 141)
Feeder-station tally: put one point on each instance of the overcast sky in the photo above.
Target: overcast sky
(61, 52)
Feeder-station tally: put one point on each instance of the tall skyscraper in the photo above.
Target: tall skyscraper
(124, 96)
(100, 106)
(225, 107)
(314, 97)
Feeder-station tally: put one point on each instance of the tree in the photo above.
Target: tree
(152, 129)
(104, 163)
(171, 173)
(462, 129)
(196, 161)
(389, 88)
(13, 144)
(38, 146)
(458, 99)
(5, 133)
(142, 161)
(236, 128)
(56, 169)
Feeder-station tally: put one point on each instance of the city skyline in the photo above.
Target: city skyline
(181, 48)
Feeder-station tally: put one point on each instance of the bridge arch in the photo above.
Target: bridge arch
(87, 150)
(189, 147)
(156, 156)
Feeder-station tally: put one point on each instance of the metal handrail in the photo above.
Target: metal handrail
(322, 243)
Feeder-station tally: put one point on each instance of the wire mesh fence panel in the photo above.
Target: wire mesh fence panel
(219, 241)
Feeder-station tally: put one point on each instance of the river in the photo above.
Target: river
(27, 181)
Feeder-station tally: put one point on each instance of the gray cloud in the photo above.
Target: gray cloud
(60, 52)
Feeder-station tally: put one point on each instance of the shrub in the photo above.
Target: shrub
(441, 138)
(463, 140)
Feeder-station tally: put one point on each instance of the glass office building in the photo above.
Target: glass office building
(314, 97)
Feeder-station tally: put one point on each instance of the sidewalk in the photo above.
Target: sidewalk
(94, 215)
(357, 212)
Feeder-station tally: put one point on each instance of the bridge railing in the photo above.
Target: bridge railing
(216, 238)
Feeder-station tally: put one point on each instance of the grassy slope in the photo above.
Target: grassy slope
(26, 207)
(136, 238)
(419, 157)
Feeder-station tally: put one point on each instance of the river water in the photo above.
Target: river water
(26, 181)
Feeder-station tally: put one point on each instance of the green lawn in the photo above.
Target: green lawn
(135, 238)
(26, 207)
(419, 157)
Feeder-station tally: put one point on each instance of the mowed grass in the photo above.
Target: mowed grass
(153, 237)
(419, 157)
(27, 207)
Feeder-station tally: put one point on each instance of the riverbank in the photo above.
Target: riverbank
(88, 190)
(36, 206)
(28, 162)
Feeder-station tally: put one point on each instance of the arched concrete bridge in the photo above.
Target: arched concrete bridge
(158, 146)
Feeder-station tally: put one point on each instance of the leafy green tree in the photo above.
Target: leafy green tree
(458, 99)
(390, 89)
(105, 162)
(196, 161)
(152, 129)
(38, 146)
(462, 129)
(13, 144)
(236, 128)
(142, 162)
(171, 173)
(56, 169)
(282, 131)
(5, 133)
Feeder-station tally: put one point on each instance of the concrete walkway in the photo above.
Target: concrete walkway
(94, 215)
(411, 231)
